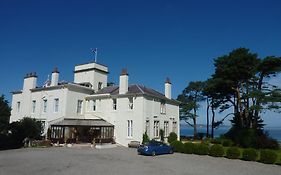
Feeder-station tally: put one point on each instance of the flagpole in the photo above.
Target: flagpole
(96, 54)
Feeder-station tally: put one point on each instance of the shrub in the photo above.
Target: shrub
(233, 153)
(172, 137)
(268, 156)
(216, 151)
(250, 154)
(201, 149)
(178, 146)
(188, 148)
(161, 135)
(216, 141)
(227, 142)
(145, 138)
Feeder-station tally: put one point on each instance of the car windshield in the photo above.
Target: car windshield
(155, 143)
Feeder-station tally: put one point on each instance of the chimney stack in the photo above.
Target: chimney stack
(168, 88)
(30, 81)
(55, 77)
(123, 82)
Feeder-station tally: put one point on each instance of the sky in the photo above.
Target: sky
(153, 39)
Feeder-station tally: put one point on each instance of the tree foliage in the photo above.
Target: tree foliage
(190, 100)
(5, 112)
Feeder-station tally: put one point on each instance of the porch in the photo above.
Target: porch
(82, 131)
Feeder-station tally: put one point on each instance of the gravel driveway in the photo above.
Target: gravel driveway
(121, 161)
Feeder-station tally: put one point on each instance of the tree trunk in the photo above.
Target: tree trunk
(239, 105)
(195, 125)
(213, 119)
(208, 106)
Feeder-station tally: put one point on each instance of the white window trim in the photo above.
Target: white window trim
(56, 109)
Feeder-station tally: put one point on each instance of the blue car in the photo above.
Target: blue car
(155, 148)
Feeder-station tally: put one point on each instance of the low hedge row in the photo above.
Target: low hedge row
(217, 150)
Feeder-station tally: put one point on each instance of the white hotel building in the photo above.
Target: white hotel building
(88, 109)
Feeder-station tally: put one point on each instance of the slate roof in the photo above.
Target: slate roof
(134, 89)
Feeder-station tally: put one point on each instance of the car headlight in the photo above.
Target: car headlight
(146, 148)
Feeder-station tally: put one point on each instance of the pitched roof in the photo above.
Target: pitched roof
(82, 122)
(134, 89)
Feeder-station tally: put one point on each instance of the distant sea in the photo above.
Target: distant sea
(274, 132)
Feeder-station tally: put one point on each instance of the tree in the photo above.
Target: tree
(5, 112)
(190, 98)
(241, 81)
(26, 128)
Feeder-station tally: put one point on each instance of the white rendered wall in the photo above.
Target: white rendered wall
(145, 108)
(88, 73)
(119, 117)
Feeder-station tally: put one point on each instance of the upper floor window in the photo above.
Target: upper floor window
(114, 103)
(131, 103)
(79, 106)
(99, 85)
(45, 105)
(56, 105)
(33, 106)
(130, 128)
(18, 106)
(163, 107)
(94, 105)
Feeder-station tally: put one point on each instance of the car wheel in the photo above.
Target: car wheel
(153, 153)
(171, 151)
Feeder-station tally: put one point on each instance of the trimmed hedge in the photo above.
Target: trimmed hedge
(268, 156)
(250, 154)
(178, 146)
(233, 153)
(188, 148)
(216, 151)
(201, 149)
(172, 137)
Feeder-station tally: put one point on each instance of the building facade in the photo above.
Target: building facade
(88, 110)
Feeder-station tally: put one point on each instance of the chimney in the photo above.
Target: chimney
(123, 82)
(55, 77)
(30, 81)
(168, 88)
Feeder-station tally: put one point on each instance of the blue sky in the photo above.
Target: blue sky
(152, 39)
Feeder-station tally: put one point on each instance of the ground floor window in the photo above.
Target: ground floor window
(175, 126)
(156, 129)
(166, 128)
(57, 132)
(147, 127)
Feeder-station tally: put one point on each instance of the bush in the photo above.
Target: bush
(178, 146)
(172, 137)
(233, 153)
(188, 148)
(216, 151)
(250, 154)
(201, 149)
(268, 156)
(145, 138)
(227, 142)
(216, 141)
